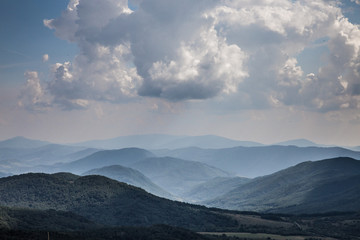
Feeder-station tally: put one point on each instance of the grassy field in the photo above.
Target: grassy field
(264, 236)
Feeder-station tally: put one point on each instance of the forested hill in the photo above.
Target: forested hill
(105, 201)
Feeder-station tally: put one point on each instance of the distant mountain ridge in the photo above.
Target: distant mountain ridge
(309, 187)
(124, 157)
(22, 142)
(171, 174)
(163, 141)
(18, 160)
(257, 161)
(299, 143)
(177, 175)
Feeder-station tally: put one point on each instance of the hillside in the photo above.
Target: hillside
(124, 157)
(25, 224)
(110, 203)
(105, 201)
(177, 175)
(26, 219)
(257, 161)
(130, 176)
(309, 187)
(213, 188)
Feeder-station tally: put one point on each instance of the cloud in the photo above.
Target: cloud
(32, 96)
(181, 50)
(45, 58)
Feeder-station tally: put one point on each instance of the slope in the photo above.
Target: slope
(177, 175)
(213, 188)
(309, 187)
(130, 176)
(26, 219)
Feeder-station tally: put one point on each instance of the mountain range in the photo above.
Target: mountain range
(20, 154)
(286, 179)
(171, 174)
(177, 175)
(124, 157)
(257, 161)
(162, 141)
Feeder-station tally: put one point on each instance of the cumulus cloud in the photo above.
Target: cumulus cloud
(33, 96)
(180, 50)
(45, 58)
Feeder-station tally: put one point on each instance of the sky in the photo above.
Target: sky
(258, 70)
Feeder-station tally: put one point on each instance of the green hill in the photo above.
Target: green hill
(105, 201)
(309, 187)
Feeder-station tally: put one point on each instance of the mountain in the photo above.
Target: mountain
(207, 141)
(124, 157)
(213, 188)
(299, 143)
(177, 175)
(309, 187)
(257, 161)
(106, 201)
(130, 176)
(18, 160)
(162, 141)
(21, 142)
(147, 141)
(53, 153)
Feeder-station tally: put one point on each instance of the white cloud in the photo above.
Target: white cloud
(179, 50)
(32, 96)
(45, 58)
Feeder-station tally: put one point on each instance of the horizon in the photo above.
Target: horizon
(185, 136)
(266, 72)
